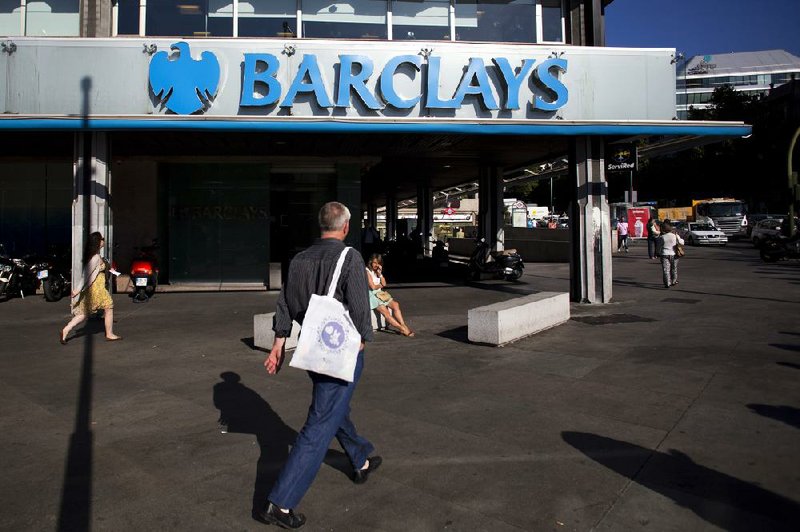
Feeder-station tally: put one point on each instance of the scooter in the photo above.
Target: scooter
(505, 264)
(775, 248)
(144, 273)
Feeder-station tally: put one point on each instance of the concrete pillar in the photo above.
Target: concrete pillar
(391, 216)
(372, 214)
(584, 23)
(348, 191)
(96, 18)
(425, 215)
(91, 205)
(590, 225)
(490, 207)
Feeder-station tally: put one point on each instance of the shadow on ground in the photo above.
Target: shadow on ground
(719, 499)
(785, 414)
(242, 410)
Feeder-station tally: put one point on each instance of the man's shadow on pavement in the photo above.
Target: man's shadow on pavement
(244, 411)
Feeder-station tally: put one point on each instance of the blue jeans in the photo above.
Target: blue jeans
(328, 416)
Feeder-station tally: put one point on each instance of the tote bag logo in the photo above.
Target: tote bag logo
(333, 335)
(183, 84)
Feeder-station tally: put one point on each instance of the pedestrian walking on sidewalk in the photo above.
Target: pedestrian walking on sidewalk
(91, 294)
(653, 234)
(669, 262)
(311, 272)
(622, 233)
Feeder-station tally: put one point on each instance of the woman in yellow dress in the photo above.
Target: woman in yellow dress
(91, 294)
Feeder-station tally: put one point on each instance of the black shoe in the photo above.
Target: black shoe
(272, 515)
(360, 476)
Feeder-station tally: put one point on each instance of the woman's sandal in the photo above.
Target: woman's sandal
(61, 338)
(406, 331)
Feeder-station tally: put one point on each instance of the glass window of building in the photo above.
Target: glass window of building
(552, 21)
(52, 18)
(128, 17)
(10, 17)
(496, 20)
(353, 19)
(268, 18)
(427, 20)
(189, 18)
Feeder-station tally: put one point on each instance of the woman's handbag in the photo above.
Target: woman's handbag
(383, 295)
(329, 341)
(679, 250)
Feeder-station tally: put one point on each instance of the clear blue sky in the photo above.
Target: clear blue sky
(699, 27)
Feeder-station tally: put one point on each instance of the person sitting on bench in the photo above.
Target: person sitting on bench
(380, 300)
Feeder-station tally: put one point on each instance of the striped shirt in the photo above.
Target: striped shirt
(310, 272)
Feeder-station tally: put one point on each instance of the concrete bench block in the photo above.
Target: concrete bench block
(511, 320)
(264, 336)
(274, 279)
(378, 321)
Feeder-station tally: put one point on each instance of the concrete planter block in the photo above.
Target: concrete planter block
(378, 321)
(274, 278)
(263, 335)
(508, 321)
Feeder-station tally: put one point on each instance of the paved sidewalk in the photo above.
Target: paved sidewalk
(666, 410)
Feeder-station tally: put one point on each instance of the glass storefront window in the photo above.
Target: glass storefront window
(52, 18)
(10, 17)
(551, 21)
(496, 20)
(353, 19)
(421, 20)
(189, 18)
(268, 18)
(128, 17)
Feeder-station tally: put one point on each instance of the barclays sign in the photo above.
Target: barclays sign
(185, 85)
(353, 72)
(310, 81)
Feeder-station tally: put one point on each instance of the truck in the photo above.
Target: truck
(729, 215)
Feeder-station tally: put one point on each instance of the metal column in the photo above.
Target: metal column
(590, 225)
(490, 207)
(425, 216)
(91, 203)
(391, 217)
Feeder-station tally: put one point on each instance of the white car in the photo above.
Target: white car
(765, 228)
(700, 234)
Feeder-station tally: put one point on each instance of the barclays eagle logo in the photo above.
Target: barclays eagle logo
(185, 85)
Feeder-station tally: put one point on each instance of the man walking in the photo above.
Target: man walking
(310, 272)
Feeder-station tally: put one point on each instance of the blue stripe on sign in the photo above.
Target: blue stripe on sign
(482, 128)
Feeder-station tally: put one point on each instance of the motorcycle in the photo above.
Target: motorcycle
(144, 273)
(16, 277)
(505, 264)
(775, 248)
(54, 274)
(440, 255)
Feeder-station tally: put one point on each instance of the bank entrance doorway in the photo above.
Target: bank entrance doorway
(218, 222)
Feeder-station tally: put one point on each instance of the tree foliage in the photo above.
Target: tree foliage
(745, 168)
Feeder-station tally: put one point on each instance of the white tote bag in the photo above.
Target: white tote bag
(329, 341)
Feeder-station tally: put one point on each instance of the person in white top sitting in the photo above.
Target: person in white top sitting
(380, 300)
(669, 262)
